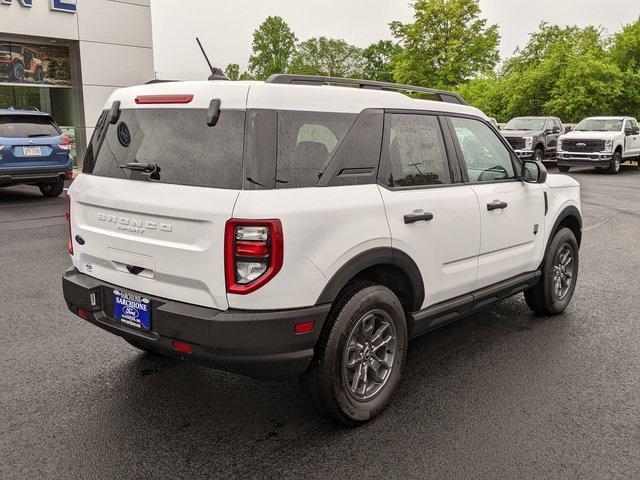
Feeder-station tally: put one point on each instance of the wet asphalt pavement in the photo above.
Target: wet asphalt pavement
(499, 395)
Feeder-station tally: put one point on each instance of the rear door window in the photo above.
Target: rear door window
(414, 152)
(27, 126)
(306, 143)
(179, 141)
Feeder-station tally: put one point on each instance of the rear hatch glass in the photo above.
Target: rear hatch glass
(179, 141)
(27, 126)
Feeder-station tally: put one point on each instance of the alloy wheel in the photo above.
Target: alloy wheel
(369, 355)
(563, 270)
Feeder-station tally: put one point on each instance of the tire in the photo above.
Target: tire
(52, 189)
(616, 161)
(563, 168)
(538, 155)
(16, 74)
(38, 75)
(365, 312)
(544, 298)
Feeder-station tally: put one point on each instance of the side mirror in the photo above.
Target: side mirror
(556, 129)
(628, 131)
(567, 129)
(534, 172)
(636, 130)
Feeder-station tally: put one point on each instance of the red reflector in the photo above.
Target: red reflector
(181, 346)
(159, 99)
(82, 313)
(69, 175)
(304, 327)
(251, 249)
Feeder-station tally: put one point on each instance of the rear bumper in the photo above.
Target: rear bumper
(13, 176)
(260, 344)
(568, 159)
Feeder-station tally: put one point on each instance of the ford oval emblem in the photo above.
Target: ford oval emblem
(124, 135)
(130, 312)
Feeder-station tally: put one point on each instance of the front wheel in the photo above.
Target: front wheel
(616, 161)
(538, 155)
(17, 73)
(360, 356)
(553, 293)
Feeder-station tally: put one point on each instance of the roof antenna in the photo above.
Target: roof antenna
(216, 73)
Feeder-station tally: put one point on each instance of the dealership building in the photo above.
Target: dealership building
(66, 57)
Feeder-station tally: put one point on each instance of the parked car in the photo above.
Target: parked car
(20, 62)
(283, 230)
(601, 143)
(33, 151)
(534, 137)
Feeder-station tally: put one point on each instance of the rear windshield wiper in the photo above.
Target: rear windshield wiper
(151, 168)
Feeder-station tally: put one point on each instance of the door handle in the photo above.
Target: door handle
(497, 205)
(418, 217)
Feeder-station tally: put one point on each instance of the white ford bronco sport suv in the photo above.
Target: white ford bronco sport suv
(600, 142)
(300, 228)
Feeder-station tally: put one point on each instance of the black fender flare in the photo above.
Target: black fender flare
(370, 258)
(570, 211)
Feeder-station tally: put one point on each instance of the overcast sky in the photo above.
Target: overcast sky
(226, 27)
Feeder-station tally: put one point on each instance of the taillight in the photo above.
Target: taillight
(162, 99)
(254, 251)
(65, 142)
(68, 216)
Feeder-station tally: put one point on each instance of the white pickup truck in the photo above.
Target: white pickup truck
(600, 142)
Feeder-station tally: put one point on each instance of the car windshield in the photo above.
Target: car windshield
(525, 124)
(599, 125)
(27, 126)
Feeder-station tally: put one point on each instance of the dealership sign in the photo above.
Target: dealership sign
(68, 6)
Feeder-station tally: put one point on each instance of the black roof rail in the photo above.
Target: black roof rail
(24, 109)
(289, 79)
(157, 80)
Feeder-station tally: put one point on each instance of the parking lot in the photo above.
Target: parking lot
(501, 394)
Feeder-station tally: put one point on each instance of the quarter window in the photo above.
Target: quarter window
(485, 156)
(306, 143)
(415, 153)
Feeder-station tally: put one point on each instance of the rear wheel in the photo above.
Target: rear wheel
(553, 293)
(52, 189)
(563, 168)
(360, 356)
(38, 76)
(616, 161)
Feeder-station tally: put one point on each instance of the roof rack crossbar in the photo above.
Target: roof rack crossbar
(290, 79)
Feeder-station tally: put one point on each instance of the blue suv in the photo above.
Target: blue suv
(33, 151)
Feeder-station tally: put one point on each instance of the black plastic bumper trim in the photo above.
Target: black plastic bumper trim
(260, 344)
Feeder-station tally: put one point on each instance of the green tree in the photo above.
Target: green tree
(588, 86)
(446, 45)
(273, 45)
(625, 51)
(327, 56)
(378, 60)
(233, 71)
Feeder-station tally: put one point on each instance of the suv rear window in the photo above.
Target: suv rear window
(179, 141)
(27, 126)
